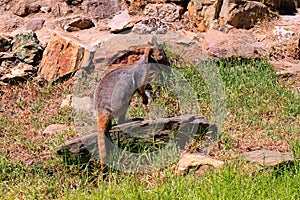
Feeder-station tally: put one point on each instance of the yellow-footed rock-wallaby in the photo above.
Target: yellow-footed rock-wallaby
(114, 92)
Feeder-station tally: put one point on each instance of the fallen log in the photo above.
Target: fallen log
(132, 135)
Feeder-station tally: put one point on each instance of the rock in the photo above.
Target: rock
(5, 44)
(207, 10)
(237, 43)
(35, 24)
(242, 14)
(284, 6)
(45, 9)
(267, 157)
(286, 68)
(82, 103)
(55, 128)
(283, 34)
(150, 26)
(147, 132)
(165, 12)
(101, 9)
(27, 48)
(64, 55)
(20, 9)
(179, 42)
(73, 2)
(79, 24)
(7, 55)
(67, 102)
(120, 22)
(200, 162)
(23, 8)
(11, 71)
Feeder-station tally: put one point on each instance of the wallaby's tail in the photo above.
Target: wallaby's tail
(103, 122)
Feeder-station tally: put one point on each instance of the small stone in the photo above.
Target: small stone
(150, 25)
(79, 24)
(120, 22)
(67, 102)
(82, 103)
(20, 9)
(268, 157)
(45, 9)
(188, 161)
(283, 34)
(55, 128)
(73, 2)
(35, 24)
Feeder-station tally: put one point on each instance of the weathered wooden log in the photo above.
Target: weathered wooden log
(152, 133)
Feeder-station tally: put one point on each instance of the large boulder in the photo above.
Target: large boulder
(64, 55)
(242, 14)
(237, 43)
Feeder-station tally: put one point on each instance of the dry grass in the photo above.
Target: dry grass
(26, 110)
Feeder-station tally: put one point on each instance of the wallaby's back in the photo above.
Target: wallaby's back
(114, 92)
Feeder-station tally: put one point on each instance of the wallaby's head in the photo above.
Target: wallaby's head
(158, 55)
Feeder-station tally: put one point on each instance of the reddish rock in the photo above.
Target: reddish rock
(20, 9)
(55, 128)
(24, 8)
(64, 55)
(79, 24)
(35, 24)
(237, 43)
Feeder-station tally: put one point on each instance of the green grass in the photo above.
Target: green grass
(56, 180)
(259, 109)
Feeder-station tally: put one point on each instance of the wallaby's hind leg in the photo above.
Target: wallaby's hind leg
(103, 121)
(121, 119)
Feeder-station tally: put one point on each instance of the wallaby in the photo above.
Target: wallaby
(113, 95)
